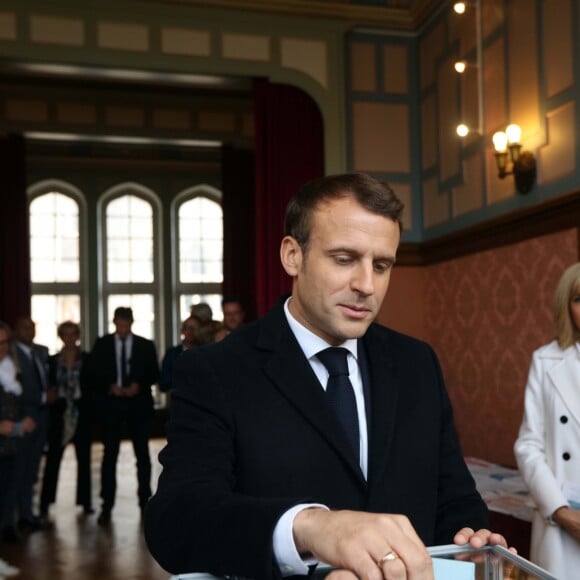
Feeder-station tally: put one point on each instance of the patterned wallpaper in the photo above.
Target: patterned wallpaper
(484, 315)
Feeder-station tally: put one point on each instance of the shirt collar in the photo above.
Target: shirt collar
(310, 343)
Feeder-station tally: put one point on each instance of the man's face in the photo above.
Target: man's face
(122, 326)
(25, 331)
(189, 330)
(339, 284)
(233, 315)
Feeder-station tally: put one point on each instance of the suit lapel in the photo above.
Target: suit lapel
(291, 373)
(565, 379)
(384, 389)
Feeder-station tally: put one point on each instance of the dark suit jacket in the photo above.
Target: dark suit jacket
(251, 434)
(32, 392)
(86, 401)
(167, 366)
(144, 369)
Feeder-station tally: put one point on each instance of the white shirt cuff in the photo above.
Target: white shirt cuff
(285, 551)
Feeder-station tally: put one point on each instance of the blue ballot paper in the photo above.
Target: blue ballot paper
(444, 569)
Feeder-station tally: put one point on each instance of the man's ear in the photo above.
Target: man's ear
(290, 256)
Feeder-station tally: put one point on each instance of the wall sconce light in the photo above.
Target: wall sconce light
(508, 149)
(460, 7)
(463, 130)
(461, 66)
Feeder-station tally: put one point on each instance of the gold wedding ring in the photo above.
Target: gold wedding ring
(388, 557)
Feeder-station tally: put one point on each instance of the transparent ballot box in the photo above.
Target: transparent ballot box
(452, 563)
(487, 563)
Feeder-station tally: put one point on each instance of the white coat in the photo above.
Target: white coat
(548, 453)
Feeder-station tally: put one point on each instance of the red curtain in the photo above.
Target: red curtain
(238, 203)
(14, 239)
(289, 152)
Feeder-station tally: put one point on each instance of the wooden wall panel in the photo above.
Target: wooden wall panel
(558, 46)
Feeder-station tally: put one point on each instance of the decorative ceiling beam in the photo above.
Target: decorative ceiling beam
(409, 18)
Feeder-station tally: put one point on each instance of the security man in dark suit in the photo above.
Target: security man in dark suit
(315, 434)
(36, 395)
(122, 369)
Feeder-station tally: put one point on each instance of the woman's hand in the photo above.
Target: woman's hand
(569, 519)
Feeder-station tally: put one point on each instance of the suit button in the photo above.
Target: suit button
(563, 419)
(565, 456)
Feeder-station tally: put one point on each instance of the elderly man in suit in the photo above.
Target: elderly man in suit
(315, 434)
(122, 367)
(36, 395)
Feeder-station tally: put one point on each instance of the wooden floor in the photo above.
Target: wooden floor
(77, 548)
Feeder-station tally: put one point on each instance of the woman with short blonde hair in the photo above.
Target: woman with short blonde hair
(569, 285)
(548, 446)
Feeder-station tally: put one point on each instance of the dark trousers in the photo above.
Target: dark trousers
(82, 443)
(6, 477)
(117, 414)
(26, 466)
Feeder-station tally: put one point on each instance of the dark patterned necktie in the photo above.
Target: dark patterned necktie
(340, 393)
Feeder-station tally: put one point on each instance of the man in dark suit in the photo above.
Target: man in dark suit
(276, 460)
(36, 394)
(122, 368)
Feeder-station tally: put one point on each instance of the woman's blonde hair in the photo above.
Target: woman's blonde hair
(567, 332)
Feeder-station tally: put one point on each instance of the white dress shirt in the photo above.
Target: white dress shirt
(8, 379)
(285, 550)
(128, 351)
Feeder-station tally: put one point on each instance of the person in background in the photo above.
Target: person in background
(203, 312)
(315, 434)
(12, 427)
(548, 445)
(220, 332)
(207, 326)
(233, 312)
(36, 396)
(189, 330)
(122, 368)
(70, 419)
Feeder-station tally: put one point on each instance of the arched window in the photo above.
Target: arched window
(199, 249)
(130, 262)
(56, 264)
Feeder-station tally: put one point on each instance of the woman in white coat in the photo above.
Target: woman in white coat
(548, 446)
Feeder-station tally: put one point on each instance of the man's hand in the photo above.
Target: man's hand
(569, 519)
(480, 538)
(28, 425)
(117, 390)
(131, 390)
(6, 427)
(359, 542)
